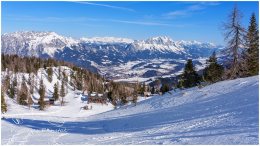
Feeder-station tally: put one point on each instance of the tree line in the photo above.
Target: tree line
(77, 78)
(241, 55)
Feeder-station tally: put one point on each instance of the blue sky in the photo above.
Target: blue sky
(199, 21)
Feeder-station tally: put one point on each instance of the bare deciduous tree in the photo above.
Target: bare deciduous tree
(234, 34)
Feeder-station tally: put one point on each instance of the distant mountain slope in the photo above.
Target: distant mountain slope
(105, 54)
(223, 113)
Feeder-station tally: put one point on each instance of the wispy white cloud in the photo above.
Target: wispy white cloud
(190, 9)
(46, 19)
(107, 6)
(141, 23)
(82, 20)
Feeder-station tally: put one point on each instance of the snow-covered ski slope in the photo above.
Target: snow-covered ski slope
(222, 113)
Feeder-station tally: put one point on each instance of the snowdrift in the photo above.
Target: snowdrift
(222, 113)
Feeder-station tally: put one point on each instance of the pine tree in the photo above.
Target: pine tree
(153, 90)
(7, 84)
(32, 84)
(59, 72)
(180, 83)
(13, 88)
(3, 104)
(23, 93)
(55, 94)
(250, 55)
(165, 88)
(12, 91)
(50, 73)
(41, 101)
(135, 94)
(234, 34)
(62, 93)
(15, 81)
(135, 98)
(214, 71)
(190, 77)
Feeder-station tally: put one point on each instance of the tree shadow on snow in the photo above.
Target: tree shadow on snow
(245, 113)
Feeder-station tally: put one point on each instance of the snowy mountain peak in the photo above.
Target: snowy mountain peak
(100, 54)
(106, 40)
(159, 40)
(33, 42)
(39, 37)
(196, 43)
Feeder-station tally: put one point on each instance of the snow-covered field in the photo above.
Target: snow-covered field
(222, 113)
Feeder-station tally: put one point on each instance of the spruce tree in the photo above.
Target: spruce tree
(62, 93)
(12, 91)
(59, 72)
(23, 93)
(3, 104)
(32, 84)
(251, 53)
(153, 90)
(135, 98)
(15, 81)
(214, 71)
(41, 101)
(55, 94)
(165, 88)
(13, 87)
(234, 34)
(190, 77)
(50, 73)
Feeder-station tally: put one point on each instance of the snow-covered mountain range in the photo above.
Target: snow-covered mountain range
(114, 57)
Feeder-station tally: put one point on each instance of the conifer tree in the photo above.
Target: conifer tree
(12, 91)
(180, 83)
(214, 71)
(3, 103)
(55, 94)
(190, 77)
(62, 93)
(135, 94)
(15, 81)
(153, 90)
(41, 101)
(50, 73)
(135, 98)
(59, 72)
(23, 93)
(251, 53)
(165, 88)
(7, 84)
(13, 87)
(32, 84)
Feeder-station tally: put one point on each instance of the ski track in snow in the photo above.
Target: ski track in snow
(222, 113)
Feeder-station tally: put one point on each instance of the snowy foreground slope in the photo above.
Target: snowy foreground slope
(222, 113)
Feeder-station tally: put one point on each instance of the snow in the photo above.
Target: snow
(51, 44)
(161, 44)
(133, 79)
(222, 113)
(33, 42)
(74, 100)
(106, 40)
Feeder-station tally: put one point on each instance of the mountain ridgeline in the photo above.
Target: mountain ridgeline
(109, 56)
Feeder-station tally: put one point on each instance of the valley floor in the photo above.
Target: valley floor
(222, 113)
